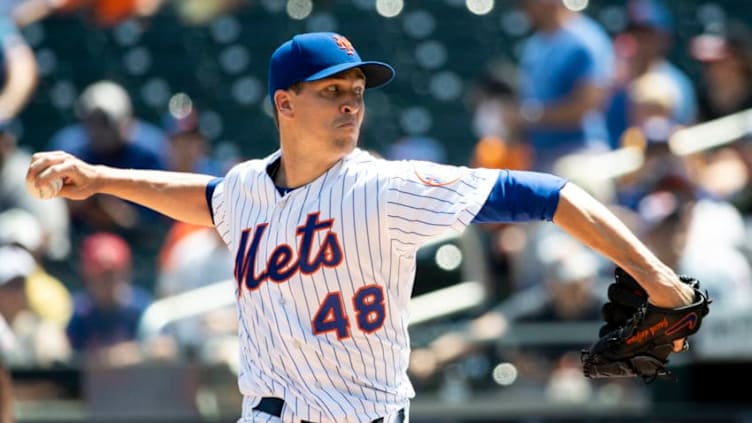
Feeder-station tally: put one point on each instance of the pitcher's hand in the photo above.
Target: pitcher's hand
(80, 179)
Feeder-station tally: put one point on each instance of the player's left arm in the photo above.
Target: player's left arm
(519, 196)
(591, 222)
(523, 196)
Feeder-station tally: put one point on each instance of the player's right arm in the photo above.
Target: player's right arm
(181, 196)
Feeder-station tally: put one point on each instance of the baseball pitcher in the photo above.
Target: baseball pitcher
(325, 235)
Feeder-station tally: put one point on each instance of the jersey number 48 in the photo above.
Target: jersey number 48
(370, 312)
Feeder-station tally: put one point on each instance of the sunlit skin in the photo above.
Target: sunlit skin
(318, 124)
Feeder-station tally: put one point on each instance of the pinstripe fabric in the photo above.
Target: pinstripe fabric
(325, 274)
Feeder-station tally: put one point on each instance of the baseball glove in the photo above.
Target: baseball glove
(638, 336)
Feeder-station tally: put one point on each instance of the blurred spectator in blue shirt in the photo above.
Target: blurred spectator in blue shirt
(566, 70)
(109, 309)
(109, 133)
(644, 48)
(188, 149)
(7, 6)
(651, 23)
(188, 153)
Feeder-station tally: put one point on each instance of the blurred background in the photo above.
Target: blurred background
(112, 313)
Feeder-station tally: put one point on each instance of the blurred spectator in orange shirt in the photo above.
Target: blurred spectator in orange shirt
(494, 104)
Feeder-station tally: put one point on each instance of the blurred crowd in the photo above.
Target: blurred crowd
(594, 107)
(602, 110)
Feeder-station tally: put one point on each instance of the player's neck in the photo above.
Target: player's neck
(296, 170)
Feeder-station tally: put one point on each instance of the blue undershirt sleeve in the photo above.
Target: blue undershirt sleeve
(520, 196)
(209, 193)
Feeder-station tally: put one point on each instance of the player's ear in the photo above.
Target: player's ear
(282, 100)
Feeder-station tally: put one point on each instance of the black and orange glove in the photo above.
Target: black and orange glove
(638, 336)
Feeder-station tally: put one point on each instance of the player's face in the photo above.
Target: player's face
(332, 109)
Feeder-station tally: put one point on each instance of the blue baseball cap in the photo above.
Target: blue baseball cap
(318, 55)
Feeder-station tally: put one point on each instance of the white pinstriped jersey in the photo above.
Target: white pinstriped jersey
(325, 275)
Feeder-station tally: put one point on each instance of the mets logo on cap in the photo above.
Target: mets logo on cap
(437, 175)
(344, 44)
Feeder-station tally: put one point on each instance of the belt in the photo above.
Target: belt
(273, 406)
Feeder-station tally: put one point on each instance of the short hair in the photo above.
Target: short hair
(296, 88)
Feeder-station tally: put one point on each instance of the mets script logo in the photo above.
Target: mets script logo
(285, 261)
(645, 334)
(344, 44)
(689, 321)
